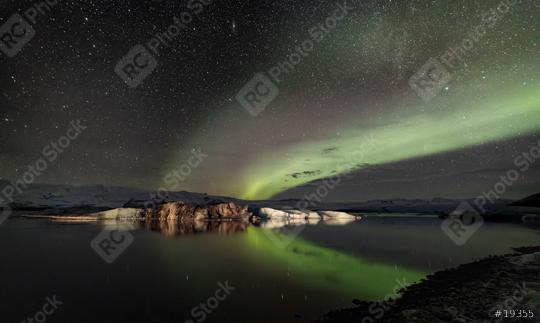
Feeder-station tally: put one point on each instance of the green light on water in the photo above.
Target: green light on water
(329, 269)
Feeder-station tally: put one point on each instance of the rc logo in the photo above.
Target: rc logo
(462, 223)
(14, 34)
(136, 66)
(430, 79)
(112, 242)
(17, 31)
(257, 94)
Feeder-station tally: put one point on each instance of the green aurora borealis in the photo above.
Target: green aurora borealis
(515, 114)
(359, 112)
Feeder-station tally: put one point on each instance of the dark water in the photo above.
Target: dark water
(169, 270)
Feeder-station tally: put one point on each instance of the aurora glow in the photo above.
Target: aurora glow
(325, 269)
(348, 107)
(411, 137)
(459, 120)
(330, 269)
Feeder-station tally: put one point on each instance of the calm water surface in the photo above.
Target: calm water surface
(294, 275)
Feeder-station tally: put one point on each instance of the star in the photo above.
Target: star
(330, 98)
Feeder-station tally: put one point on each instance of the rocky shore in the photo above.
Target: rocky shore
(184, 211)
(179, 211)
(220, 211)
(469, 293)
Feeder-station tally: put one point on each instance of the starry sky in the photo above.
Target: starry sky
(346, 110)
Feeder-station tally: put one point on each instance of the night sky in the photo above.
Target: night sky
(346, 108)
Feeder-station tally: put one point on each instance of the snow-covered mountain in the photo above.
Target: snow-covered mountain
(71, 198)
(45, 196)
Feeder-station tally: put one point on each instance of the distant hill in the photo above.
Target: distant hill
(530, 201)
(98, 197)
(94, 198)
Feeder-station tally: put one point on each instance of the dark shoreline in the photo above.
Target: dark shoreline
(468, 293)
